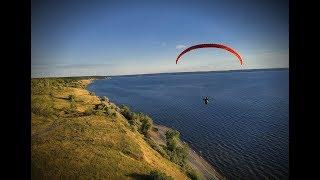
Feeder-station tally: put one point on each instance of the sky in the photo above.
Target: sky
(85, 38)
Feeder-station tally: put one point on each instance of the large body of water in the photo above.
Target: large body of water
(243, 131)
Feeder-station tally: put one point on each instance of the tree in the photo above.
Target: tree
(177, 153)
(146, 125)
(180, 155)
(172, 137)
(125, 111)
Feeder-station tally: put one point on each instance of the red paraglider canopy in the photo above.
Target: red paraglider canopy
(211, 46)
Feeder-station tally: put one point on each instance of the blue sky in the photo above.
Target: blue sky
(73, 38)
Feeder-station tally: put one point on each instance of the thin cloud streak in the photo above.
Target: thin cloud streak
(180, 46)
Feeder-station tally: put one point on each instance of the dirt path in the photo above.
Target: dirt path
(194, 160)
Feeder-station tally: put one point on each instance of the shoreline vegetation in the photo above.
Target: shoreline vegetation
(76, 134)
(195, 160)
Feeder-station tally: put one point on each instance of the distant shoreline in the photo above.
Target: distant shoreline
(200, 72)
(174, 73)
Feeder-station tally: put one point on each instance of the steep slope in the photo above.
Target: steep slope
(71, 137)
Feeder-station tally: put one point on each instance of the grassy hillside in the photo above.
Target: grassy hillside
(75, 134)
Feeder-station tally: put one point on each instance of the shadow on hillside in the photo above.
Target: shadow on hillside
(139, 176)
(66, 98)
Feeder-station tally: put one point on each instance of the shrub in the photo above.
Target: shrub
(131, 149)
(99, 109)
(99, 112)
(156, 147)
(138, 121)
(155, 129)
(180, 155)
(172, 138)
(114, 114)
(135, 121)
(162, 152)
(177, 154)
(172, 134)
(146, 124)
(88, 112)
(110, 112)
(125, 111)
(193, 175)
(123, 107)
(71, 98)
(157, 175)
(101, 106)
(104, 98)
(69, 110)
(151, 142)
(112, 106)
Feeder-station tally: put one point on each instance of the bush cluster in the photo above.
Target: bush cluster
(160, 149)
(192, 174)
(138, 121)
(177, 153)
(101, 110)
(157, 175)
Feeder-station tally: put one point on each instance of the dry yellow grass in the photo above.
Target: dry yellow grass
(67, 143)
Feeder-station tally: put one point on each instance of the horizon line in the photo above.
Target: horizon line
(233, 70)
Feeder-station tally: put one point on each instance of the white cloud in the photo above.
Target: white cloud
(180, 46)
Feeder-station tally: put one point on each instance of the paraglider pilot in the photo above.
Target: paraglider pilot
(206, 100)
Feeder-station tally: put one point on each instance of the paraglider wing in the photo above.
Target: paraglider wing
(210, 46)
